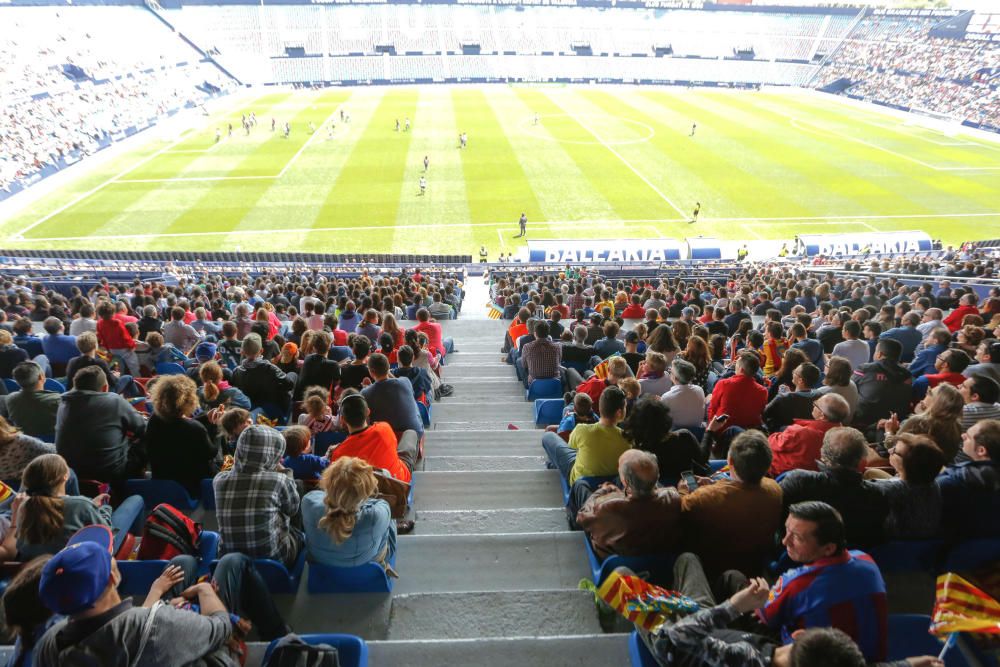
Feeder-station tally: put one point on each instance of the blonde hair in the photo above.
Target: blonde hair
(7, 432)
(155, 340)
(174, 396)
(6, 338)
(618, 367)
(347, 483)
(656, 362)
(210, 373)
(631, 387)
(86, 342)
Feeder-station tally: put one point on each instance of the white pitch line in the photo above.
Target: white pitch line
(803, 221)
(195, 179)
(622, 158)
(19, 236)
(308, 141)
(503, 244)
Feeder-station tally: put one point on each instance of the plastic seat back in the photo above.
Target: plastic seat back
(156, 491)
(548, 411)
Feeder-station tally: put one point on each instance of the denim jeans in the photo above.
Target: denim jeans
(562, 456)
(127, 518)
(241, 589)
(407, 448)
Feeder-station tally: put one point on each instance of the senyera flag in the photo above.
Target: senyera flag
(962, 607)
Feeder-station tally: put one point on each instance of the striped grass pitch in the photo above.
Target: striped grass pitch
(581, 162)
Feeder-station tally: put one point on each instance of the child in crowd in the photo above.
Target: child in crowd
(632, 389)
(299, 457)
(318, 417)
(579, 410)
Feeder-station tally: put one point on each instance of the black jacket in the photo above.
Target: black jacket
(859, 502)
(262, 382)
(92, 430)
(317, 370)
(181, 450)
(883, 387)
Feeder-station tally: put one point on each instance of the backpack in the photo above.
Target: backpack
(292, 651)
(168, 533)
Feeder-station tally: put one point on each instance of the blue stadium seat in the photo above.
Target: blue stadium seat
(899, 556)
(548, 411)
(580, 367)
(638, 654)
(351, 651)
(425, 413)
(54, 385)
(11, 385)
(169, 368)
(971, 555)
(593, 481)
(551, 388)
(659, 566)
(207, 494)
(156, 491)
(367, 578)
(138, 575)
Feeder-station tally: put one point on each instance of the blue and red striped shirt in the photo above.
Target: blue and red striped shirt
(844, 591)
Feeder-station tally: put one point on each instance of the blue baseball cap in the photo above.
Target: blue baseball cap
(205, 351)
(76, 577)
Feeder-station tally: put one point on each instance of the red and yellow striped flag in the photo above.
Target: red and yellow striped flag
(493, 311)
(644, 603)
(961, 607)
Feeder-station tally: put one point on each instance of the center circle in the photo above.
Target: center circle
(530, 128)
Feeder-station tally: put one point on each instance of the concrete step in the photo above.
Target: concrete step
(486, 490)
(480, 425)
(594, 650)
(506, 562)
(495, 389)
(499, 412)
(483, 443)
(524, 520)
(492, 614)
(435, 463)
(491, 371)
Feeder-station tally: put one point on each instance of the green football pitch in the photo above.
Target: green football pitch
(581, 162)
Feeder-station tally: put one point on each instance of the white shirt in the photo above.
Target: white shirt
(82, 325)
(855, 351)
(687, 405)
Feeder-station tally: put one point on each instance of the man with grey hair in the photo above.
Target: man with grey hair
(32, 408)
(798, 446)
(685, 400)
(839, 483)
(259, 379)
(931, 320)
(639, 518)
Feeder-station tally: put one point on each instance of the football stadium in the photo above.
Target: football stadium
(558, 333)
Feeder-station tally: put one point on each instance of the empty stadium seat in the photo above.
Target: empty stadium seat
(544, 389)
(367, 578)
(971, 555)
(907, 555)
(52, 384)
(11, 385)
(548, 411)
(207, 494)
(425, 413)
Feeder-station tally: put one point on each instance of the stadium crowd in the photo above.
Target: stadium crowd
(957, 78)
(185, 383)
(848, 411)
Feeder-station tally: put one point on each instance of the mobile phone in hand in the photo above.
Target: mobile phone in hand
(690, 479)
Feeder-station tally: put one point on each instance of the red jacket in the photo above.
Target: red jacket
(797, 447)
(634, 312)
(339, 337)
(740, 397)
(955, 317)
(593, 387)
(112, 335)
(934, 379)
(433, 332)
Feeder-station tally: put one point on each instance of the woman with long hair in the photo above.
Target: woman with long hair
(391, 326)
(47, 517)
(681, 331)
(346, 523)
(696, 353)
(938, 416)
(24, 612)
(794, 357)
